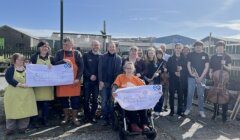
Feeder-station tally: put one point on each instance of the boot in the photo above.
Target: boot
(74, 117)
(66, 116)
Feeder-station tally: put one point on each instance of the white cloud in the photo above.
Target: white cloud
(227, 4)
(233, 25)
(144, 19)
(236, 36)
(37, 32)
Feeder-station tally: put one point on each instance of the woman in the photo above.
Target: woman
(151, 71)
(43, 94)
(19, 100)
(129, 80)
(137, 61)
(161, 63)
(174, 66)
(70, 92)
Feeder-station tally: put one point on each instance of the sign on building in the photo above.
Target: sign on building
(1, 43)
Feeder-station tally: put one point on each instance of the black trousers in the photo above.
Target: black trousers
(174, 86)
(224, 111)
(90, 97)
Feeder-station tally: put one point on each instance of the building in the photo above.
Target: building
(82, 41)
(16, 40)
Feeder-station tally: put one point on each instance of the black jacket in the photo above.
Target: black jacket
(91, 61)
(172, 64)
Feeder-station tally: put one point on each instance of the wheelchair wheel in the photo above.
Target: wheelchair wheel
(115, 125)
(122, 135)
(152, 135)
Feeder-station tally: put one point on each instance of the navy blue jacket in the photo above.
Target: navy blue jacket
(109, 67)
(9, 76)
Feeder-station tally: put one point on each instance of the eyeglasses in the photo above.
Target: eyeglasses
(20, 59)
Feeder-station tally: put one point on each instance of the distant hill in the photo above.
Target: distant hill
(175, 39)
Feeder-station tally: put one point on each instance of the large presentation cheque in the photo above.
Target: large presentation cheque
(139, 97)
(38, 75)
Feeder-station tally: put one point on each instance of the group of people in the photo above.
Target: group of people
(179, 73)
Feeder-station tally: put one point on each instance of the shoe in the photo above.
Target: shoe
(213, 117)
(180, 114)
(45, 122)
(157, 113)
(93, 120)
(187, 112)
(105, 123)
(9, 132)
(202, 114)
(171, 114)
(23, 131)
(74, 117)
(135, 128)
(165, 108)
(146, 128)
(66, 116)
(224, 120)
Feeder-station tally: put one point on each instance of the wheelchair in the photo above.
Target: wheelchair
(122, 124)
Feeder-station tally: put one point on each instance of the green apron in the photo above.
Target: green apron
(19, 102)
(43, 93)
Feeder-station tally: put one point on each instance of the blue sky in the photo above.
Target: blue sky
(126, 18)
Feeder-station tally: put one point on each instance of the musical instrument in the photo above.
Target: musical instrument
(156, 73)
(194, 71)
(218, 93)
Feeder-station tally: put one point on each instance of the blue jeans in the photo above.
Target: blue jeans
(192, 84)
(107, 102)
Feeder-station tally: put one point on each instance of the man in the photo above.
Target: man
(198, 64)
(165, 55)
(174, 66)
(69, 94)
(217, 61)
(90, 77)
(109, 67)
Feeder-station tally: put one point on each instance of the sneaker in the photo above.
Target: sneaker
(202, 114)
(157, 113)
(187, 112)
(165, 109)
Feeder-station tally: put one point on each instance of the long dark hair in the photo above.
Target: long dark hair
(42, 43)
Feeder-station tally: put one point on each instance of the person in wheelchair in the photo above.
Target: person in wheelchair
(128, 79)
